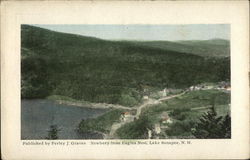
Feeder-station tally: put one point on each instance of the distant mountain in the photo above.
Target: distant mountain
(97, 70)
(216, 41)
(207, 48)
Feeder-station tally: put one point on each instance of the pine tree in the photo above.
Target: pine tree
(208, 127)
(212, 126)
(53, 132)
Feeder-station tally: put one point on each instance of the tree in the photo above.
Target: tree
(212, 126)
(226, 126)
(53, 132)
(135, 130)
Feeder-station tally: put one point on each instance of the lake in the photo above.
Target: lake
(38, 115)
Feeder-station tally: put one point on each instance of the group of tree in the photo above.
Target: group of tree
(135, 130)
(212, 126)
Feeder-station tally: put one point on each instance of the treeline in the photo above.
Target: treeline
(96, 70)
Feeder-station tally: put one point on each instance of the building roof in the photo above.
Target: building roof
(126, 113)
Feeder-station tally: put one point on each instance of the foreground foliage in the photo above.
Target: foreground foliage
(213, 126)
(53, 132)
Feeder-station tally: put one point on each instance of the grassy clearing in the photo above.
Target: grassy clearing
(190, 100)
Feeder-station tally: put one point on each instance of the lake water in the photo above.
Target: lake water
(38, 115)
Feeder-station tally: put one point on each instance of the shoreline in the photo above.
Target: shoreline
(92, 105)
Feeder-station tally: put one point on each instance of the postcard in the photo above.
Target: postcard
(125, 80)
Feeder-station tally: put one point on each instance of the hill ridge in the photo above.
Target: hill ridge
(55, 63)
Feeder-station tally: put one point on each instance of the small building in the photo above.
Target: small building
(149, 133)
(228, 88)
(197, 88)
(145, 97)
(165, 119)
(157, 128)
(192, 88)
(127, 117)
(164, 92)
(209, 87)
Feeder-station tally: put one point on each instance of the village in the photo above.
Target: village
(127, 117)
(164, 118)
(220, 86)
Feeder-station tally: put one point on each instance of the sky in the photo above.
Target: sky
(147, 32)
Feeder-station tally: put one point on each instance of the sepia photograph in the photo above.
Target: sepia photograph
(125, 81)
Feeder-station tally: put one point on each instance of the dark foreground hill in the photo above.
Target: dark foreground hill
(96, 70)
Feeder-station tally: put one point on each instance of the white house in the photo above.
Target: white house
(167, 121)
(127, 117)
(164, 92)
(209, 87)
(157, 128)
(192, 88)
(145, 97)
(149, 133)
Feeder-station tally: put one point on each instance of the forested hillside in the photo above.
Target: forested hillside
(97, 70)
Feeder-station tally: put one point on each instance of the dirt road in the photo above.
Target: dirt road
(149, 102)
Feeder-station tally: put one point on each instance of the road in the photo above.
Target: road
(152, 101)
(149, 102)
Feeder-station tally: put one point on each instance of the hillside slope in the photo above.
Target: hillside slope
(96, 70)
(217, 48)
